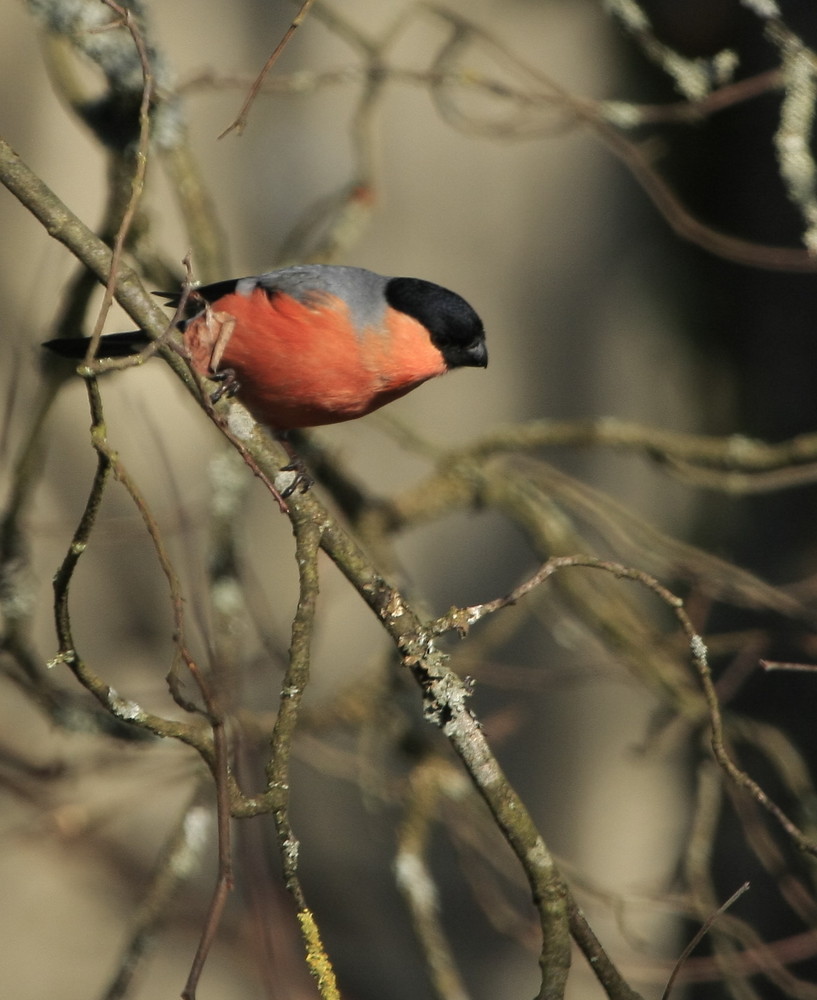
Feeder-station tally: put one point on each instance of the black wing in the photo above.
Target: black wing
(210, 293)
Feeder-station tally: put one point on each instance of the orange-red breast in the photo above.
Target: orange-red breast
(316, 344)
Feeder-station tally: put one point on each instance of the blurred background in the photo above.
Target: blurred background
(593, 308)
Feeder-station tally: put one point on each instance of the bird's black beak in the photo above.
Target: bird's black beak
(471, 353)
(475, 355)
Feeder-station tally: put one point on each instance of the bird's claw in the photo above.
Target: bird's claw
(229, 384)
(301, 481)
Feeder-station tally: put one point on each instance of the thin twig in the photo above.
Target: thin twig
(463, 618)
(701, 933)
(138, 181)
(224, 877)
(240, 122)
(124, 709)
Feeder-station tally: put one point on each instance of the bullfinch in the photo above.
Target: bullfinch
(317, 344)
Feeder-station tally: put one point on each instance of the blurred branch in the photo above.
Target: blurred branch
(85, 27)
(692, 77)
(736, 458)
(179, 860)
(792, 141)
(416, 882)
(533, 105)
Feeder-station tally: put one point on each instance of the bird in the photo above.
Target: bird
(316, 344)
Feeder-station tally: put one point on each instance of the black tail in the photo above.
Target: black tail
(113, 345)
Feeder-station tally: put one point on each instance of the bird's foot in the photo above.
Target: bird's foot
(299, 479)
(229, 384)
